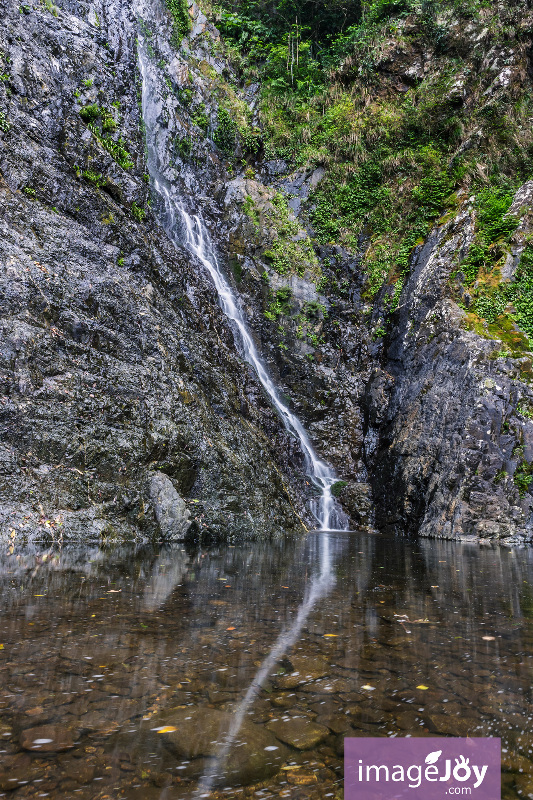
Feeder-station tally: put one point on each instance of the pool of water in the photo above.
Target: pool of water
(141, 672)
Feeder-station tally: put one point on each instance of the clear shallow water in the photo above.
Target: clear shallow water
(107, 653)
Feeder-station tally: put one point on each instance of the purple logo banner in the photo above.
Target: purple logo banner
(422, 769)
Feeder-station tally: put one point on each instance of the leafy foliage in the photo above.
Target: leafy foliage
(280, 304)
(180, 18)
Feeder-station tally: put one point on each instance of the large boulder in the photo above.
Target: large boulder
(170, 509)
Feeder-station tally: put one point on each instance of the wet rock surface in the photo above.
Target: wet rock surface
(298, 732)
(48, 739)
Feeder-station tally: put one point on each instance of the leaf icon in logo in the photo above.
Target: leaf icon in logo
(433, 757)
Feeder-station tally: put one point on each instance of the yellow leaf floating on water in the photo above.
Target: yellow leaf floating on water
(1, 646)
(331, 635)
(368, 687)
(421, 686)
(167, 729)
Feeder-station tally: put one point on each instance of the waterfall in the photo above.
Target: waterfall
(191, 231)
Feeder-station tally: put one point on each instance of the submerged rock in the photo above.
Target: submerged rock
(193, 733)
(48, 739)
(298, 732)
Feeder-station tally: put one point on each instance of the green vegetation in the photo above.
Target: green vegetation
(523, 477)
(493, 228)
(338, 488)
(400, 153)
(183, 147)
(95, 178)
(49, 6)
(280, 304)
(226, 132)
(137, 212)
(200, 118)
(181, 21)
(4, 123)
(288, 254)
(101, 121)
(91, 112)
(505, 305)
(249, 208)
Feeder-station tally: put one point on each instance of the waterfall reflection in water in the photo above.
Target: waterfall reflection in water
(101, 646)
(318, 588)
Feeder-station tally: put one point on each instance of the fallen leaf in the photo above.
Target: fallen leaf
(114, 591)
(230, 629)
(331, 635)
(368, 687)
(1, 646)
(166, 729)
(489, 638)
(421, 686)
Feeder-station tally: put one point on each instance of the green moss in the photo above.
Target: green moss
(225, 135)
(183, 147)
(338, 488)
(90, 112)
(101, 121)
(95, 178)
(508, 306)
(288, 254)
(493, 225)
(251, 211)
(315, 310)
(200, 118)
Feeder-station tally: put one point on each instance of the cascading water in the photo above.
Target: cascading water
(191, 231)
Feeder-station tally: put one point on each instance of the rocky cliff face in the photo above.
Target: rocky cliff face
(127, 410)
(122, 389)
(448, 412)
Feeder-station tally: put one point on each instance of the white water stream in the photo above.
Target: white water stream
(190, 231)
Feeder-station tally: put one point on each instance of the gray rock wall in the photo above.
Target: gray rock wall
(115, 360)
(444, 429)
